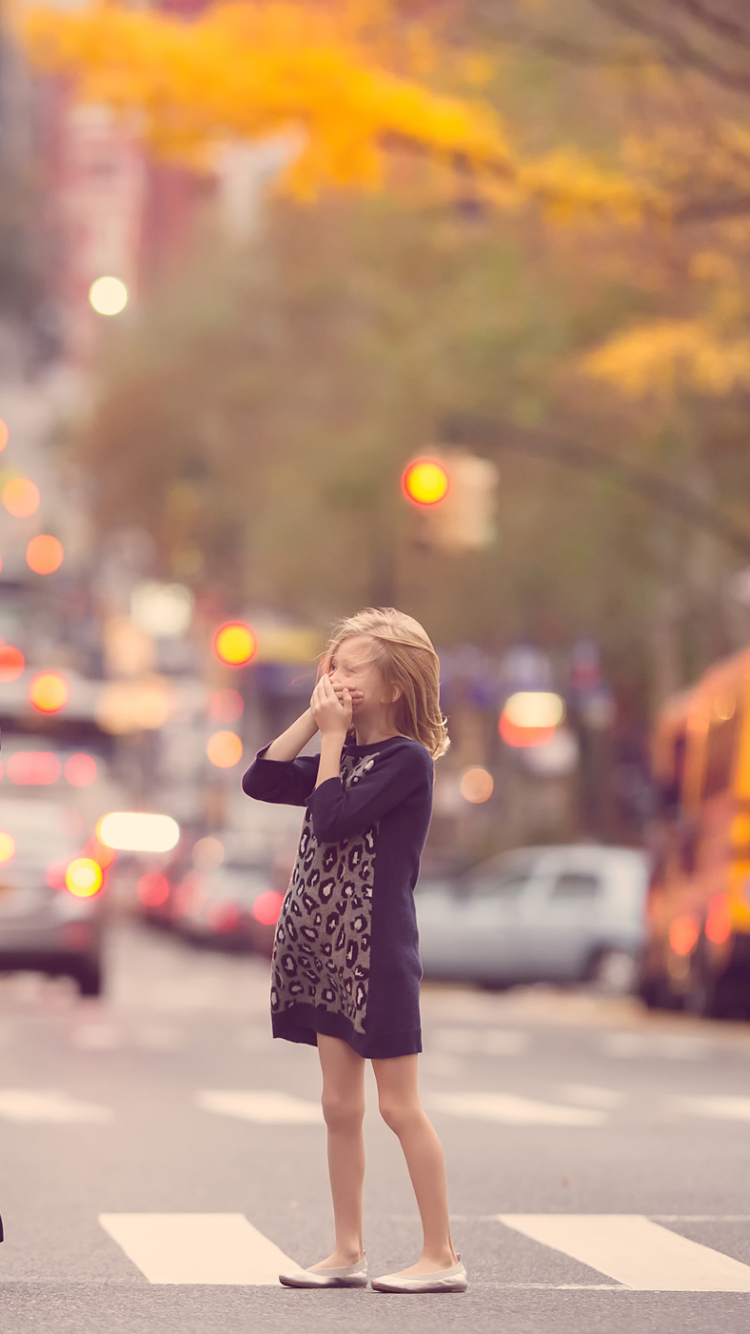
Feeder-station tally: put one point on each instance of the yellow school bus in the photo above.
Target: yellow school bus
(697, 950)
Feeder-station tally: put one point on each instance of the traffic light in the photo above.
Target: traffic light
(425, 482)
(235, 644)
(49, 692)
(456, 491)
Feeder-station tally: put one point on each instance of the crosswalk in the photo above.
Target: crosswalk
(575, 1106)
(565, 1252)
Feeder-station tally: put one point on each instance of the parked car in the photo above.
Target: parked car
(157, 882)
(232, 905)
(571, 913)
(51, 894)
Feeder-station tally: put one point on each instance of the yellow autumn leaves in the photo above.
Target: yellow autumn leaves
(349, 81)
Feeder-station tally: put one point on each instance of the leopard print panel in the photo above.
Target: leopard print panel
(322, 945)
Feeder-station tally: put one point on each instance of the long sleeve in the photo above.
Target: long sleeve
(282, 782)
(338, 811)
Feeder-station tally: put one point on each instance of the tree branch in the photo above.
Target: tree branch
(676, 49)
(495, 436)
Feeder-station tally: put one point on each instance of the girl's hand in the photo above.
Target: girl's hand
(356, 695)
(332, 711)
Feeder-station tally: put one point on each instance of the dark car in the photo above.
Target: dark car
(229, 898)
(51, 894)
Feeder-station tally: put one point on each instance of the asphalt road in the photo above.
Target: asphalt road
(161, 1158)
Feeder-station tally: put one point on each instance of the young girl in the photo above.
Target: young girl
(346, 967)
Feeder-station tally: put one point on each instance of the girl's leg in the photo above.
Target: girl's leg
(344, 1110)
(402, 1110)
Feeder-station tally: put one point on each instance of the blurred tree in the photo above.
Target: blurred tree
(352, 80)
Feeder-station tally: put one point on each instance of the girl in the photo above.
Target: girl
(346, 967)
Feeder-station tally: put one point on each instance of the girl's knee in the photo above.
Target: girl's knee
(400, 1113)
(342, 1112)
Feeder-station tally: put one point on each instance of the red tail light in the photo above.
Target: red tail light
(267, 907)
(223, 917)
(56, 875)
(153, 889)
(100, 853)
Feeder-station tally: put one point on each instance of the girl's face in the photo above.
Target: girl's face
(353, 668)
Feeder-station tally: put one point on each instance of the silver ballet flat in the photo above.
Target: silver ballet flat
(349, 1276)
(454, 1279)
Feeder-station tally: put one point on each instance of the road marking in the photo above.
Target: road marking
(513, 1110)
(635, 1251)
(158, 1037)
(97, 1037)
(592, 1096)
(197, 1248)
(49, 1105)
(442, 1064)
(721, 1107)
(485, 1041)
(265, 1106)
(673, 1046)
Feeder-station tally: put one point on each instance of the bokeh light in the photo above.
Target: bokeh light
(530, 718)
(44, 554)
(4, 434)
(7, 848)
(34, 768)
(477, 785)
(108, 296)
(235, 643)
(718, 926)
(683, 935)
(226, 706)
(99, 852)
(224, 749)
(152, 889)
(49, 692)
(267, 907)
(84, 877)
(56, 875)
(208, 853)
(138, 831)
(425, 482)
(80, 770)
(21, 497)
(535, 708)
(12, 663)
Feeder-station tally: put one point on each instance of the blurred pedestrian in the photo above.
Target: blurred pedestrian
(346, 967)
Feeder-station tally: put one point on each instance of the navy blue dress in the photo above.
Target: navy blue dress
(346, 952)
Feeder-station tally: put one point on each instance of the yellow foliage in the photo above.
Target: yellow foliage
(248, 70)
(667, 354)
(348, 73)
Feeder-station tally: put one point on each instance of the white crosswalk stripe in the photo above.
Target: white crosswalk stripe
(49, 1105)
(719, 1107)
(592, 1096)
(636, 1251)
(632, 1251)
(197, 1248)
(482, 1041)
(672, 1046)
(266, 1106)
(513, 1110)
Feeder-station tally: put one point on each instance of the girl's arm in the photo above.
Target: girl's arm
(279, 774)
(291, 742)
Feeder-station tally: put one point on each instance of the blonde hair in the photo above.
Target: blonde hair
(406, 658)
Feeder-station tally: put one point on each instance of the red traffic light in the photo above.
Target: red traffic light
(425, 482)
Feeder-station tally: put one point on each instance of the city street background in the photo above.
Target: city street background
(169, 1098)
(310, 306)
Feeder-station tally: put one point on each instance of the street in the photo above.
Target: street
(163, 1158)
